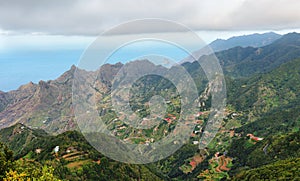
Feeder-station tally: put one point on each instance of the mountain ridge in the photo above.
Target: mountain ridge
(236, 41)
(48, 105)
(263, 103)
(243, 62)
(253, 40)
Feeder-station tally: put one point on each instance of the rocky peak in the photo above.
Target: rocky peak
(65, 77)
(28, 86)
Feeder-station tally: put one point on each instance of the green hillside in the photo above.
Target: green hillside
(269, 101)
(244, 62)
(19, 136)
(259, 132)
(282, 170)
(269, 108)
(248, 154)
(76, 159)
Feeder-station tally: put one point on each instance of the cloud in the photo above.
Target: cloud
(279, 14)
(75, 17)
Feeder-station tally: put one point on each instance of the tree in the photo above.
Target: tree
(28, 169)
(6, 158)
(46, 174)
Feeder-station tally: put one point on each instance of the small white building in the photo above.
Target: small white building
(195, 142)
(56, 149)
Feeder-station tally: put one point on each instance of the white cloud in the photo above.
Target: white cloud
(43, 42)
(92, 17)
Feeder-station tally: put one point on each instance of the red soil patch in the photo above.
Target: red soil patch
(223, 161)
(231, 133)
(193, 163)
(98, 162)
(196, 160)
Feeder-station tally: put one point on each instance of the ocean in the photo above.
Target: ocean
(20, 67)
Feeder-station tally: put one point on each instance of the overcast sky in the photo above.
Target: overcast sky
(73, 17)
(74, 23)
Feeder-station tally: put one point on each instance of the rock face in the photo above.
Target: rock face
(45, 105)
(48, 105)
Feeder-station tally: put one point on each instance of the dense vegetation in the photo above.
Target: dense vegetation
(245, 62)
(83, 162)
(75, 160)
(281, 170)
(247, 154)
(269, 101)
(263, 100)
(22, 170)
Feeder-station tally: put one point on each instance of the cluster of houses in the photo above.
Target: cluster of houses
(170, 118)
(254, 138)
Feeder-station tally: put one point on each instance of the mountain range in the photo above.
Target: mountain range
(254, 40)
(262, 75)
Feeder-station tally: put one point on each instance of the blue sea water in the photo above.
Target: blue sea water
(20, 67)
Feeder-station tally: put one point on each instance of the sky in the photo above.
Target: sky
(42, 39)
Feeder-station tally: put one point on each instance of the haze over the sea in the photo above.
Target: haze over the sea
(26, 58)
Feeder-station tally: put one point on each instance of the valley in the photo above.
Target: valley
(259, 131)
